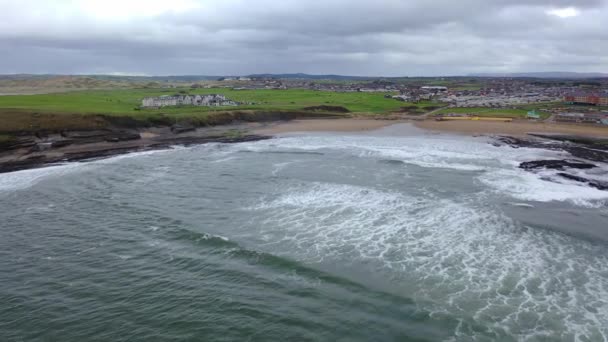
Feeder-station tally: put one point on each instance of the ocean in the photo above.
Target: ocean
(390, 235)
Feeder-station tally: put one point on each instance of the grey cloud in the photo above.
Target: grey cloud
(384, 37)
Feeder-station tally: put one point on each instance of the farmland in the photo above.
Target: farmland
(124, 102)
(494, 112)
(81, 109)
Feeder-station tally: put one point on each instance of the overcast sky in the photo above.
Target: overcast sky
(353, 37)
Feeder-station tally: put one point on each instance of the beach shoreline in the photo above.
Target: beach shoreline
(40, 152)
(517, 128)
(323, 125)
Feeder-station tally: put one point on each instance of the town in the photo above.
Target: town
(559, 100)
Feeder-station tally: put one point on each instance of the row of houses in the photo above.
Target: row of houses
(207, 100)
(592, 118)
(597, 99)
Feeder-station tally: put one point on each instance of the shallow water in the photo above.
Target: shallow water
(389, 235)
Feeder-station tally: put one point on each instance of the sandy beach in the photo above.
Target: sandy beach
(516, 128)
(41, 151)
(323, 125)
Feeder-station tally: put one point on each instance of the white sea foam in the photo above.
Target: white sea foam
(498, 164)
(20, 180)
(121, 157)
(529, 186)
(24, 179)
(278, 167)
(455, 257)
(522, 205)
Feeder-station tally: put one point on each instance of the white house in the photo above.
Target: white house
(207, 100)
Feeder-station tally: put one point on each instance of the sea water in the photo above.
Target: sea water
(389, 235)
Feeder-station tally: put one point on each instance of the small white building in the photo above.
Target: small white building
(207, 100)
(435, 88)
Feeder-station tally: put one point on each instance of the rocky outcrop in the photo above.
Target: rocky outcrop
(59, 154)
(117, 136)
(62, 143)
(595, 150)
(585, 149)
(17, 143)
(329, 109)
(591, 182)
(182, 128)
(556, 165)
(87, 137)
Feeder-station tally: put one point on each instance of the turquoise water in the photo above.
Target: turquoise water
(322, 237)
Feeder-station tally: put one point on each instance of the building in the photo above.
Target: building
(593, 118)
(595, 99)
(533, 115)
(434, 88)
(207, 100)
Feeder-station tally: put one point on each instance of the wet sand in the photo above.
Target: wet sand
(323, 125)
(158, 138)
(516, 128)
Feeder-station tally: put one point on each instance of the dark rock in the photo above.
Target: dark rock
(591, 182)
(86, 134)
(593, 149)
(517, 142)
(62, 143)
(42, 134)
(123, 136)
(555, 165)
(325, 108)
(593, 153)
(34, 161)
(17, 143)
(182, 128)
(39, 147)
(89, 137)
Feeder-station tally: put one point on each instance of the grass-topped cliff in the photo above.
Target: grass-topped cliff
(95, 108)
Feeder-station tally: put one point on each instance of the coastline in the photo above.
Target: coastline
(324, 125)
(515, 128)
(38, 151)
(41, 152)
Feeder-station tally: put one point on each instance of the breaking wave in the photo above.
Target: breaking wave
(458, 258)
(495, 166)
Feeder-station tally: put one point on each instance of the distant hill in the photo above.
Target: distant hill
(181, 78)
(554, 74)
(314, 77)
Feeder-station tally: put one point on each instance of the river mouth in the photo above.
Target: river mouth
(368, 236)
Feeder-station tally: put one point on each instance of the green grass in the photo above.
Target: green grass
(124, 101)
(495, 112)
(95, 109)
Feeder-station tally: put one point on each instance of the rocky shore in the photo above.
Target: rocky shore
(586, 153)
(32, 151)
(37, 150)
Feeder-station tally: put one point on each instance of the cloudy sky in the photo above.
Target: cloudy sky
(238, 37)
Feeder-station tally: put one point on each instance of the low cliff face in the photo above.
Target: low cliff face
(96, 136)
(23, 123)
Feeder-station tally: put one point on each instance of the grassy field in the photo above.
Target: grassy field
(82, 109)
(494, 112)
(124, 102)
